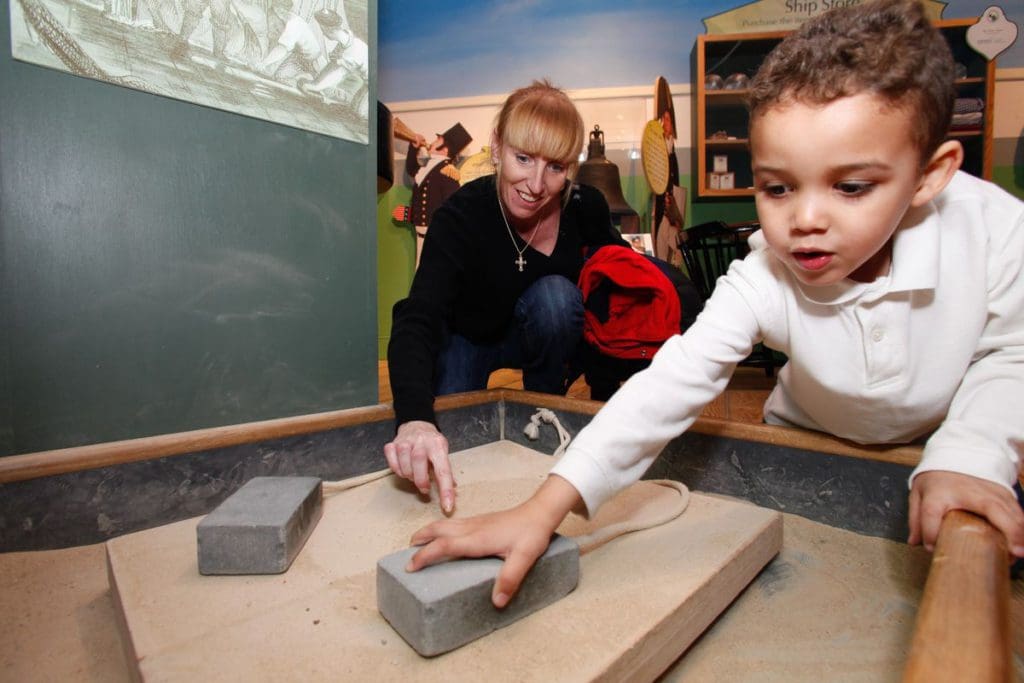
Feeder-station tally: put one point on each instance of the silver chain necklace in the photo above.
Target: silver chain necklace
(520, 261)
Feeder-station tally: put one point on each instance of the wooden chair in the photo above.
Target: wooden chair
(707, 250)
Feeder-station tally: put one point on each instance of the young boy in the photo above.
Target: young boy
(892, 281)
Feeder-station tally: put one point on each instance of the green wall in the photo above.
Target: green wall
(166, 266)
(396, 258)
(1010, 178)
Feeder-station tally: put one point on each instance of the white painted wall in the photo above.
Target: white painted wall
(622, 114)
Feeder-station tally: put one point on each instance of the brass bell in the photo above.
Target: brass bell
(598, 172)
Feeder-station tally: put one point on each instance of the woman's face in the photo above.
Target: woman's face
(528, 184)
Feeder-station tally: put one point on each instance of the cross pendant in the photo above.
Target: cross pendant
(520, 262)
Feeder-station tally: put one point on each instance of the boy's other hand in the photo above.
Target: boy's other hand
(936, 492)
(418, 448)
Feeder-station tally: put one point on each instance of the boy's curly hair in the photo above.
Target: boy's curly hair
(885, 47)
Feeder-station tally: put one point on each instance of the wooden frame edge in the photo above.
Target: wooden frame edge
(62, 461)
(790, 437)
(77, 458)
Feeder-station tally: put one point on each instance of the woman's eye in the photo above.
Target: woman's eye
(556, 168)
(854, 189)
(523, 158)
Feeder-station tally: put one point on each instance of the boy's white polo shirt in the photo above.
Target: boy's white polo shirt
(937, 345)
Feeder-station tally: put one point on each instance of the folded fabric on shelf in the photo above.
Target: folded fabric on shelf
(968, 105)
(972, 120)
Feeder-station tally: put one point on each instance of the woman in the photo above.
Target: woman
(495, 287)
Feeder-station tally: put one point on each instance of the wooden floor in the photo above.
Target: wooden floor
(742, 400)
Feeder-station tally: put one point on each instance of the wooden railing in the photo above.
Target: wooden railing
(963, 623)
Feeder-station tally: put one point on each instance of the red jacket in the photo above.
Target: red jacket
(642, 309)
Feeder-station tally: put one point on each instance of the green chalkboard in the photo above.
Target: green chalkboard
(167, 266)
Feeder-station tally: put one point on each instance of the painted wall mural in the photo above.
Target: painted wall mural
(301, 63)
(496, 46)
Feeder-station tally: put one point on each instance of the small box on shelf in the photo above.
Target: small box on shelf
(722, 181)
(720, 163)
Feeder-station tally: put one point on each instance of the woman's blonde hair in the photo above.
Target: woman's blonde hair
(541, 120)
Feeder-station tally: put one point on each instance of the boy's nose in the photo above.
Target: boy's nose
(809, 214)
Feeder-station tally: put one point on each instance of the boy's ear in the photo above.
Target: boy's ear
(938, 171)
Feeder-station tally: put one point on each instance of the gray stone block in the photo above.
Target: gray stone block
(261, 527)
(445, 606)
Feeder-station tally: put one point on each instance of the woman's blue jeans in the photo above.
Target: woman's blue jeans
(546, 329)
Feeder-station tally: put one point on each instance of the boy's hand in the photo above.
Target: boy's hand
(417, 448)
(936, 492)
(518, 535)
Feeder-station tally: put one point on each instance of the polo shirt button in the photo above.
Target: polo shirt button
(878, 335)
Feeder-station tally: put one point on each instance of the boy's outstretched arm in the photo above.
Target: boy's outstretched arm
(518, 535)
(936, 492)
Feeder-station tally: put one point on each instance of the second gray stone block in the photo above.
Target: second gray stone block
(445, 606)
(261, 527)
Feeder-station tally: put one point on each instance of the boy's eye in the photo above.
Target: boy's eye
(774, 189)
(854, 188)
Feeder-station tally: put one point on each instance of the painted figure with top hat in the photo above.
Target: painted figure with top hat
(435, 176)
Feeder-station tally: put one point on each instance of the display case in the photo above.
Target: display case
(721, 133)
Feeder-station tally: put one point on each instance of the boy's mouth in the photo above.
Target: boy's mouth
(812, 260)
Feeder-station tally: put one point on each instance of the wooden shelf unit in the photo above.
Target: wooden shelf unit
(724, 111)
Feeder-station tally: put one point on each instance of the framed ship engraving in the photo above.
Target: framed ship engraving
(300, 63)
